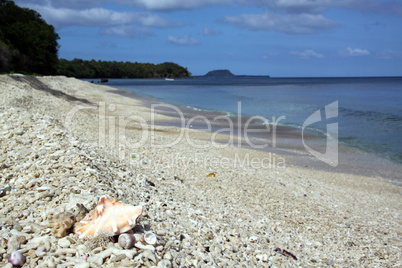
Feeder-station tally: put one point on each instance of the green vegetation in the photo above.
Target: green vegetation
(111, 69)
(29, 45)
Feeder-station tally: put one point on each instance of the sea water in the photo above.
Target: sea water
(369, 109)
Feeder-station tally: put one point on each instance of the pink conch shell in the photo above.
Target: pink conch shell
(109, 216)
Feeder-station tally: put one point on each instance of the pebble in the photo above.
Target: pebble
(36, 241)
(109, 251)
(23, 239)
(40, 251)
(144, 247)
(262, 257)
(233, 240)
(164, 263)
(36, 228)
(18, 227)
(31, 253)
(49, 262)
(46, 168)
(98, 260)
(120, 257)
(253, 239)
(168, 256)
(82, 265)
(64, 251)
(161, 232)
(148, 254)
(47, 245)
(13, 244)
(64, 242)
(5, 190)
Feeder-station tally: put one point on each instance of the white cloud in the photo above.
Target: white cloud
(209, 31)
(160, 5)
(71, 4)
(293, 6)
(374, 6)
(320, 6)
(166, 5)
(388, 7)
(60, 17)
(308, 53)
(270, 55)
(354, 52)
(185, 40)
(127, 31)
(291, 23)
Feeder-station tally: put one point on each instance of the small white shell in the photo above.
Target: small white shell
(127, 241)
(149, 238)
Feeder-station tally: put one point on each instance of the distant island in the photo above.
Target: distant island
(227, 74)
(220, 73)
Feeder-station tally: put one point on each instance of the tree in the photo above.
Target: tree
(111, 69)
(27, 43)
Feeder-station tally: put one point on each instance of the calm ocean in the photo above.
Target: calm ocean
(369, 113)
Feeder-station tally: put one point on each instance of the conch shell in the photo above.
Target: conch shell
(109, 216)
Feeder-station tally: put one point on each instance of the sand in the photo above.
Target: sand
(257, 205)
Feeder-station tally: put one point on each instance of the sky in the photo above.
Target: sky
(280, 38)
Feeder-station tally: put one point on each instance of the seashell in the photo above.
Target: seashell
(109, 216)
(127, 241)
(149, 238)
(17, 259)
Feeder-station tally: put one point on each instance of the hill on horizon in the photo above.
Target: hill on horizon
(220, 73)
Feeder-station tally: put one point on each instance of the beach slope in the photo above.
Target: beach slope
(65, 141)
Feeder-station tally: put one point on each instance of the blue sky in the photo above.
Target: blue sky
(281, 38)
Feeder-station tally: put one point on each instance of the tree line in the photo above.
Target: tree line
(29, 45)
(111, 69)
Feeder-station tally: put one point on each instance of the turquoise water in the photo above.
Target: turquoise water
(369, 113)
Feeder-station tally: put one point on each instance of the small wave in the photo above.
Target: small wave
(228, 114)
(196, 109)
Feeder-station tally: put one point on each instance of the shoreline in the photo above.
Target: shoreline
(58, 152)
(358, 124)
(352, 160)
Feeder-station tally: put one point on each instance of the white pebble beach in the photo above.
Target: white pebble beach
(64, 141)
